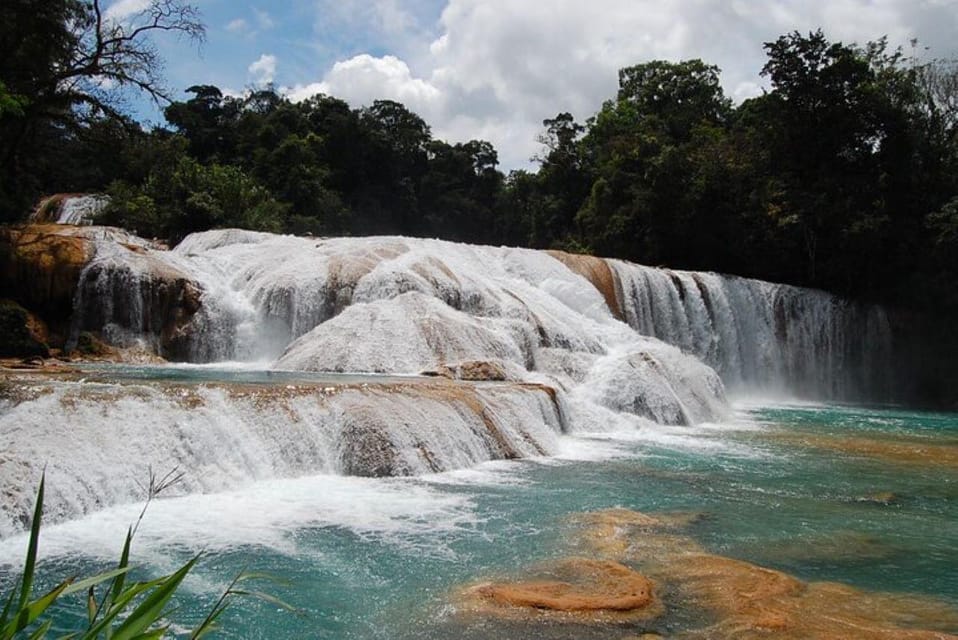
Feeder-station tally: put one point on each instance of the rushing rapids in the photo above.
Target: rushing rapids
(576, 344)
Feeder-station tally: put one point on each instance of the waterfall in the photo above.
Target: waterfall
(297, 302)
(545, 344)
(762, 336)
(224, 436)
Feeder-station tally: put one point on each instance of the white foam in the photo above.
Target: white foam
(266, 514)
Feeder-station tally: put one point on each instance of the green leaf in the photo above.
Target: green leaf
(91, 607)
(119, 605)
(155, 634)
(92, 581)
(149, 611)
(29, 566)
(32, 611)
(41, 631)
(266, 598)
(124, 562)
(6, 608)
(209, 624)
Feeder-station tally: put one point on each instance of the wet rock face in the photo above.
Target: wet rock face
(68, 277)
(474, 371)
(598, 272)
(40, 266)
(154, 301)
(70, 208)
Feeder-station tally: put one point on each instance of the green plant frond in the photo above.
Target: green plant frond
(91, 606)
(6, 608)
(209, 624)
(252, 575)
(152, 606)
(29, 613)
(259, 595)
(92, 581)
(153, 634)
(131, 592)
(29, 566)
(41, 631)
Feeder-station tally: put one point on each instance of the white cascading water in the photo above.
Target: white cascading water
(82, 209)
(97, 441)
(73, 209)
(760, 336)
(398, 306)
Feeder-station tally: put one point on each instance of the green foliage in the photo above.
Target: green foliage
(188, 196)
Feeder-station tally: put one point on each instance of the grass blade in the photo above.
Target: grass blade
(91, 607)
(30, 564)
(41, 631)
(155, 634)
(29, 613)
(265, 597)
(119, 605)
(6, 608)
(124, 563)
(150, 610)
(92, 581)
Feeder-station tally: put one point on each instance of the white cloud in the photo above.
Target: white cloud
(494, 69)
(125, 8)
(239, 25)
(263, 70)
(263, 19)
(364, 78)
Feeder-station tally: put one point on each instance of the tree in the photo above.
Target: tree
(67, 62)
(460, 190)
(842, 129)
(680, 94)
(642, 149)
(207, 120)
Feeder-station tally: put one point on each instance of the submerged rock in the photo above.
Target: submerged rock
(575, 589)
(881, 498)
(732, 598)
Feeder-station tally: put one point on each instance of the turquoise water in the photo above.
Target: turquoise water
(359, 558)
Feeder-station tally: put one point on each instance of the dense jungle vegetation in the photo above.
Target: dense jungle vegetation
(843, 175)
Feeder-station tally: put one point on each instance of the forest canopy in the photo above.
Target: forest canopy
(843, 175)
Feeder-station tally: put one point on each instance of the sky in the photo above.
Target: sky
(495, 69)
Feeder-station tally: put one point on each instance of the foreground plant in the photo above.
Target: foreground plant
(123, 610)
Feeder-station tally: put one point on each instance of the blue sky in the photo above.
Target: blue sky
(494, 69)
